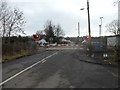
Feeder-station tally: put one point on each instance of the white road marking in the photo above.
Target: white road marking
(113, 74)
(43, 60)
(73, 48)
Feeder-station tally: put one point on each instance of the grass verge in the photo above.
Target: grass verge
(20, 54)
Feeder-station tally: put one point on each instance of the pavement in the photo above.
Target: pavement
(63, 68)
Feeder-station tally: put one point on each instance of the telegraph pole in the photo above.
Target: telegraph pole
(119, 17)
(89, 31)
(100, 32)
(78, 30)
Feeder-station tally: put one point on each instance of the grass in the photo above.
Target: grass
(111, 62)
(22, 53)
(113, 58)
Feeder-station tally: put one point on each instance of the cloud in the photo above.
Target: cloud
(67, 13)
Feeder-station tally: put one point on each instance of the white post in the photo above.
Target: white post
(119, 17)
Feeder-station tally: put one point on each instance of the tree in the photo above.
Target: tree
(4, 17)
(59, 31)
(53, 32)
(41, 32)
(116, 2)
(11, 20)
(16, 22)
(49, 30)
(113, 27)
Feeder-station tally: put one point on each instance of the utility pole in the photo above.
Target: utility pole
(78, 30)
(89, 31)
(119, 17)
(100, 32)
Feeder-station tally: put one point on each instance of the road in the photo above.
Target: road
(57, 68)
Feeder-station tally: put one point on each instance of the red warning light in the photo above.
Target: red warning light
(36, 36)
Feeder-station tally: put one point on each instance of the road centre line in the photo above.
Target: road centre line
(113, 74)
(43, 60)
(64, 48)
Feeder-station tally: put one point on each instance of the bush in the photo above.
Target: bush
(18, 46)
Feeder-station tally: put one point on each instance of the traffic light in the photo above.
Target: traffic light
(36, 36)
(87, 37)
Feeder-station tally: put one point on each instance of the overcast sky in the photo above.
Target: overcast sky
(67, 13)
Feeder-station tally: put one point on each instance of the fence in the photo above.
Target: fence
(17, 47)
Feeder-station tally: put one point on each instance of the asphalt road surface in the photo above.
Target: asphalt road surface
(57, 69)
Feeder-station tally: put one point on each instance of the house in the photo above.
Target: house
(42, 42)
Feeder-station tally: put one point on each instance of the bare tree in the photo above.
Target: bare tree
(11, 20)
(41, 32)
(53, 32)
(4, 16)
(59, 31)
(49, 30)
(16, 22)
(116, 2)
(113, 27)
